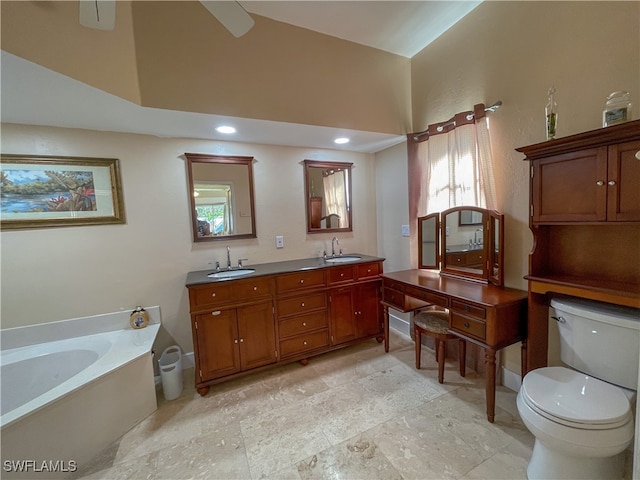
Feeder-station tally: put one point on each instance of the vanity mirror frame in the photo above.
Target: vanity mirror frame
(247, 162)
(314, 208)
(432, 231)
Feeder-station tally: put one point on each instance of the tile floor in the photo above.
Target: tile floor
(357, 413)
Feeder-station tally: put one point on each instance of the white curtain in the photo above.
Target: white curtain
(457, 169)
(335, 195)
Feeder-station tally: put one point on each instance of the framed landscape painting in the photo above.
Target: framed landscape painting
(43, 191)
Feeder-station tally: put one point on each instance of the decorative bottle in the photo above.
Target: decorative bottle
(551, 112)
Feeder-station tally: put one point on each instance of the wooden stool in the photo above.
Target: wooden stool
(435, 323)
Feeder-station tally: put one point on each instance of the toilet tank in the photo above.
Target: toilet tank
(599, 339)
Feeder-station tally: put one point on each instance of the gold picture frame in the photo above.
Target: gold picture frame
(53, 191)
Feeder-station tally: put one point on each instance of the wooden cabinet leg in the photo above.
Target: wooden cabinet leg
(202, 391)
(304, 362)
(490, 363)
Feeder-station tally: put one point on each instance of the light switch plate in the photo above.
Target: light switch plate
(279, 241)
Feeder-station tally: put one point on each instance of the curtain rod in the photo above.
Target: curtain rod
(441, 127)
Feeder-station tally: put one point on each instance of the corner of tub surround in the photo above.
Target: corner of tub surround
(75, 327)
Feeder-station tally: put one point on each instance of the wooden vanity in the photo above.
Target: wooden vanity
(283, 312)
(490, 316)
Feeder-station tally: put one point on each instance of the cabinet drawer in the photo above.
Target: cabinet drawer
(300, 280)
(340, 274)
(469, 308)
(302, 304)
(468, 325)
(229, 291)
(367, 270)
(429, 297)
(393, 297)
(302, 324)
(304, 343)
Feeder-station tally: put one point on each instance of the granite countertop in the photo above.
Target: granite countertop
(289, 266)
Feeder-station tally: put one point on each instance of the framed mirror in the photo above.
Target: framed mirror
(471, 244)
(221, 197)
(328, 196)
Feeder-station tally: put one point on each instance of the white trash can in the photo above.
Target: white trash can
(171, 372)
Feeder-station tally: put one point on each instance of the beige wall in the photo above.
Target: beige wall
(176, 56)
(514, 51)
(60, 273)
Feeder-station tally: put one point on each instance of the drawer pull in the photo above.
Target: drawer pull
(302, 304)
(255, 289)
(213, 294)
(217, 312)
(304, 324)
(368, 270)
(342, 274)
(467, 324)
(301, 281)
(304, 343)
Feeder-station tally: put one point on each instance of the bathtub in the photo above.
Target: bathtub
(69, 389)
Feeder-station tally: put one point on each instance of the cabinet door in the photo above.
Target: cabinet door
(257, 335)
(343, 323)
(217, 336)
(623, 183)
(367, 308)
(570, 187)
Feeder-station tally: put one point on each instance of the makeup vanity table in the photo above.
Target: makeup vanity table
(482, 311)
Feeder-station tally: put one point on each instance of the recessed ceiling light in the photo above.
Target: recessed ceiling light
(341, 140)
(225, 129)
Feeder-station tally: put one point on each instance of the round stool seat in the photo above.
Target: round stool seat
(435, 321)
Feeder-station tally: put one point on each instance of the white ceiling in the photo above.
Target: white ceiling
(34, 95)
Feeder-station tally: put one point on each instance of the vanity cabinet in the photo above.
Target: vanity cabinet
(585, 218)
(240, 325)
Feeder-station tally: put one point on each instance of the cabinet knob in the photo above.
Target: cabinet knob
(304, 343)
(302, 304)
(638, 154)
(304, 324)
(213, 294)
(301, 281)
(342, 274)
(611, 183)
(242, 340)
(600, 183)
(255, 289)
(235, 341)
(368, 270)
(466, 325)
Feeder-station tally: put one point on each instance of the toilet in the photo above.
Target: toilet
(581, 414)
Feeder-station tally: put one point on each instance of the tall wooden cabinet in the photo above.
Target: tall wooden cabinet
(585, 218)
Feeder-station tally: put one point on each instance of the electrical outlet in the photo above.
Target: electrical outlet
(405, 230)
(279, 241)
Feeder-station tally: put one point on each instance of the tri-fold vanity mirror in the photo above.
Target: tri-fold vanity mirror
(221, 197)
(464, 242)
(328, 196)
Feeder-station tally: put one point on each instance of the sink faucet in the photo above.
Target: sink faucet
(334, 241)
(228, 257)
(475, 236)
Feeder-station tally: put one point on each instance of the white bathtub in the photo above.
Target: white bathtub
(71, 388)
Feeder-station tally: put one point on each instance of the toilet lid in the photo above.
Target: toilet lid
(573, 398)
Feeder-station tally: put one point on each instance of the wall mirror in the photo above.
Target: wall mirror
(221, 197)
(328, 196)
(470, 243)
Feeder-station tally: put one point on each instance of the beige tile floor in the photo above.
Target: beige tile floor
(357, 413)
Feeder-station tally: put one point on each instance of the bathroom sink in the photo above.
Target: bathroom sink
(343, 259)
(231, 273)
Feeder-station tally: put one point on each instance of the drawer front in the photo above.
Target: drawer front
(468, 326)
(300, 280)
(469, 308)
(230, 291)
(433, 298)
(304, 343)
(302, 324)
(302, 304)
(367, 270)
(393, 297)
(340, 274)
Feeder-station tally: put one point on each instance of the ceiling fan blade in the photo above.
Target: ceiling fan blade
(231, 15)
(99, 14)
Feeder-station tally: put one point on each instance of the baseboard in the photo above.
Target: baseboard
(399, 324)
(511, 380)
